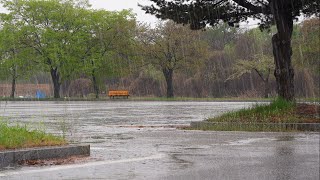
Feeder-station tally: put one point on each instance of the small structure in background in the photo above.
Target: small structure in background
(118, 93)
(40, 94)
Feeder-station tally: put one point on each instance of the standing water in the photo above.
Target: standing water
(114, 113)
(134, 140)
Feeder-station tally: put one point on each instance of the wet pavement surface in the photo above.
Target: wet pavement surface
(137, 140)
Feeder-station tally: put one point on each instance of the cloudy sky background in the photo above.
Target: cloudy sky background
(117, 5)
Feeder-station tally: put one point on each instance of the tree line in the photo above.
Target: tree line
(281, 13)
(85, 51)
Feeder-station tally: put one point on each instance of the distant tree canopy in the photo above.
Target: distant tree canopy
(170, 47)
(306, 42)
(81, 52)
(13, 55)
(66, 38)
(199, 13)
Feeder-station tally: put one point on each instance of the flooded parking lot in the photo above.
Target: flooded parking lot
(117, 112)
(77, 119)
(137, 140)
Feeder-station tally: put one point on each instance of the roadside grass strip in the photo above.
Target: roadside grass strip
(279, 115)
(19, 136)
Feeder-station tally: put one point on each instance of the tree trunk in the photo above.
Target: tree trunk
(95, 85)
(13, 82)
(13, 87)
(266, 89)
(282, 51)
(56, 82)
(168, 74)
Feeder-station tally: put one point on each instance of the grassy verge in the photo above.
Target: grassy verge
(272, 117)
(14, 137)
(277, 111)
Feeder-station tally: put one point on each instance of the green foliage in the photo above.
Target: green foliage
(52, 30)
(108, 43)
(262, 64)
(68, 40)
(12, 137)
(14, 61)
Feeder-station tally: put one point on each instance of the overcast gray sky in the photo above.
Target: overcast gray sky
(116, 5)
(125, 4)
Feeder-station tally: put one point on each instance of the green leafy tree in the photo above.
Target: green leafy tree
(106, 45)
(52, 29)
(14, 63)
(282, 13)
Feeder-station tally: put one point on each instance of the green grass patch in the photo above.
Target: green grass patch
(279, 115)
(278, 111)
(14, 137)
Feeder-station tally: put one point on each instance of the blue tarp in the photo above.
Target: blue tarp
(40, 94)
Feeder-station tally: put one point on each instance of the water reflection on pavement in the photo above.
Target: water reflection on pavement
(137, 140)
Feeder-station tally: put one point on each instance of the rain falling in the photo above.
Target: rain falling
(183, 89)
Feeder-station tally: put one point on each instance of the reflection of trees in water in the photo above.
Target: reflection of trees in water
(284, 158)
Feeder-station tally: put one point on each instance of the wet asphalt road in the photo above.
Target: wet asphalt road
(132, 140)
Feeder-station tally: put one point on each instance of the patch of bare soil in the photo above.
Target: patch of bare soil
(57, 161)
(309, 112)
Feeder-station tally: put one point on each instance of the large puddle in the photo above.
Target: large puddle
(117, 112)
(138, 140)
(78, 116)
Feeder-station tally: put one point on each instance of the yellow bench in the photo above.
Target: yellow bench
(118, 93)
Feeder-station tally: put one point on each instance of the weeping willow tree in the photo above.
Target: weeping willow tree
(282, 13)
